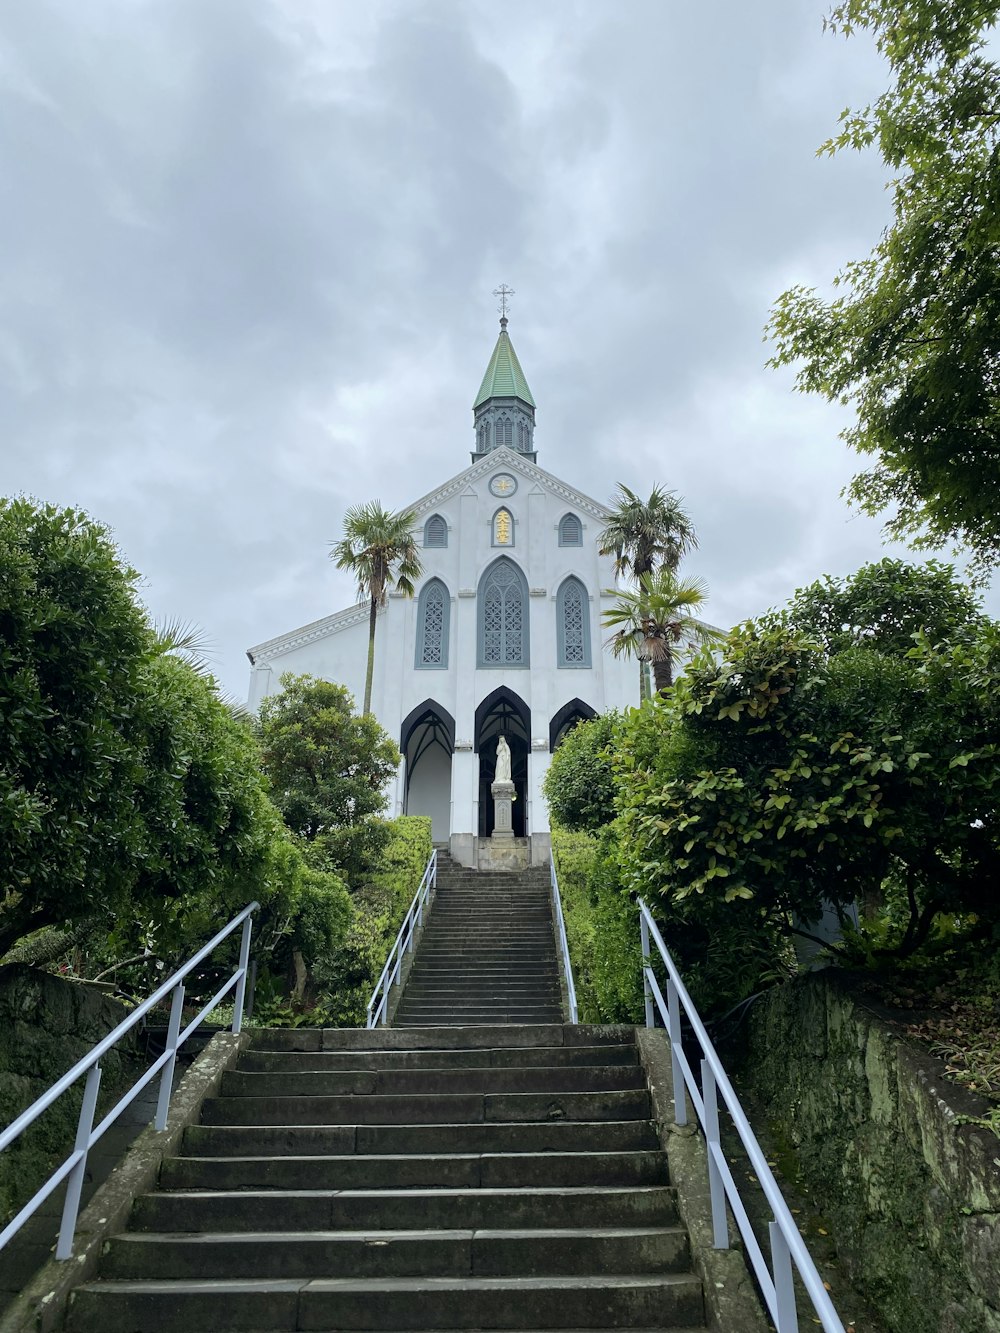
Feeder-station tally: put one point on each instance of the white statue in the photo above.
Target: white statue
(503, 760)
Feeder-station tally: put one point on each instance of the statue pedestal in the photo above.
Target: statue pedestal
(503, 822)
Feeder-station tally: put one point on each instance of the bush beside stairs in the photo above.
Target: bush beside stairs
(467, 1168)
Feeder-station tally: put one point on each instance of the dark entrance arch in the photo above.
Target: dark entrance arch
(503, 713)
(426, 742)
(567, 718)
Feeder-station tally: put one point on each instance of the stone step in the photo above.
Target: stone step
(419, 1015)
(516, 1057)
(393, 1082)
(516, 1303)
(560, 1136)
(431, 1038)
(402, 1171)
(379, 1253)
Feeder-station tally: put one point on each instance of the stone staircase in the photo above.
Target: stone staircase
(487, 953)
(490, 1177)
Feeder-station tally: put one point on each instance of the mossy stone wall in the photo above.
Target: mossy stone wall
(912, 1194)
(47, 1023)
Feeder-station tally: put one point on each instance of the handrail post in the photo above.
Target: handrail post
(167, 1077)
(241, 985)
(74, 1184)
(676, 1068)
(646, 991)
(713, 1141)
(786, 1319)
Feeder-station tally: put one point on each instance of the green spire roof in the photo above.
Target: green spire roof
(504, 377)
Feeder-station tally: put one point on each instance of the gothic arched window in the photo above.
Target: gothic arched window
(503, 528)
(433, 614)
(435, 531)
(573, 624)
(570, 531)
(503, 616)
(504, 431)
(484, 437)
(523, 437)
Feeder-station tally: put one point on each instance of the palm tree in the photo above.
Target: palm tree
(655, 623)
(377, 547)
(644, 535)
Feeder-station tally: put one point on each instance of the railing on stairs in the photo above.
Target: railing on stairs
(787, 1246)
(378, 1004)
(74, 1168)
(563, 944)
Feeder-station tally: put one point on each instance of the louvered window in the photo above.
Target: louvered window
(523, 437)
(435, 531)
(484, 437)
(570, 531)
(432, 626)
(504, 431)
(503, 610)
(573, 624)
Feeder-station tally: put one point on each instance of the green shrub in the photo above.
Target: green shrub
(346, 977)
(578, 785)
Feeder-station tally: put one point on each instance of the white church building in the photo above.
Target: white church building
(503, 636)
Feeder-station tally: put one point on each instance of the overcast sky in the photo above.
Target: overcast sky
(247, 251)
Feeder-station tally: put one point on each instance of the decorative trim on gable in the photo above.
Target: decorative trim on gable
(512, 461)
(318, 629)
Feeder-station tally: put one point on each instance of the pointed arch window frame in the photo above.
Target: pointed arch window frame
(433, 587)
(583, 638)
(570, 530)
(440, 527)
(503, 546)
(503, 664)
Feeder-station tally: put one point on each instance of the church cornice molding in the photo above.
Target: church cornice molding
(317, 629)
(515, 462)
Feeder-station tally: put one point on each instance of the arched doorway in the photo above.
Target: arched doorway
(503, 713)
(426, 742)
(566, 719)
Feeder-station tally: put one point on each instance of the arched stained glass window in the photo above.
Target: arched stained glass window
(570, 531)
(503, 616)
(503, 528)
(435, 531)
(433, 610)
(573, 624)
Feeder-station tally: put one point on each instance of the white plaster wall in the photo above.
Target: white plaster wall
(430, 792)
(468, 508)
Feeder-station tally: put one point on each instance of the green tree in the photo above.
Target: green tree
(128, 791)
(912, 339)
(783, 777)
(379, 549)
(328, 769)
(646, 535)
(578, 783)
(655, 622)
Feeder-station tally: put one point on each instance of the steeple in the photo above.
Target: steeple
(504, 410)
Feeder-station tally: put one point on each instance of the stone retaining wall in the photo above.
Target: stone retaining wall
(911, 1193)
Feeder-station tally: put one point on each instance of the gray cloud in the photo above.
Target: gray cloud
(246, 254)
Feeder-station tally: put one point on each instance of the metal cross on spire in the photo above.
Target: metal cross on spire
(504, 292)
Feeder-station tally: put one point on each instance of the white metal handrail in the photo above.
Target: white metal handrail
(412, 922)
(563, 943)
(787, 1245)
(75, 1165)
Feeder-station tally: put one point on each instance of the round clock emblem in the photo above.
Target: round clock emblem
(503, 484)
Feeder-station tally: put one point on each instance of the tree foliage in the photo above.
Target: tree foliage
(379, 549)
(656, 624)
(129, 794)
(912, 340)
(646, 535)
(790, 774)
(578, 783)
(328, 768)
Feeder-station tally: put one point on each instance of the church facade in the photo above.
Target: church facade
(503, 636)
